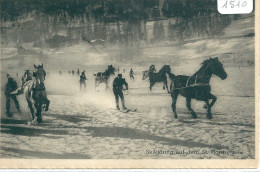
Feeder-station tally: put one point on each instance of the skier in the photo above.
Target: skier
(78, 72)
(10, 87)
(82, 80)
(118, 90)
(131, 74)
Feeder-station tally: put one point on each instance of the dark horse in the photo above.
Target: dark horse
(197, 86)
(146, 72)
(104, 77)
(159, 77)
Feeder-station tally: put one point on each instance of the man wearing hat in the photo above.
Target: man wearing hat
(10, 87)
(118, 90)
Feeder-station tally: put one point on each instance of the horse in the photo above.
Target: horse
(197, 86)
(35, 93)
(104, 77)
(159, 77)
(146, 72)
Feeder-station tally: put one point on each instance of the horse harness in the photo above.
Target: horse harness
(37, 86)
(195, 84)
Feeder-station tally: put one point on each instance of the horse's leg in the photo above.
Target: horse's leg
(151, 85)
(214, 99)
(174, 95)
(107, 86)
(209, 115)
(39, 113)
(188, 104)
(47, 102)
(31, 108)
(166, 85)
(38, 107)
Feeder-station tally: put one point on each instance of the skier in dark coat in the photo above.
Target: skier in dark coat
(10, 87)
(82, 80)
(118, 90)
(131, 74)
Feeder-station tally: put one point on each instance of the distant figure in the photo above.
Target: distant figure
(60, 72)
(26, 77)
(124, 70)
(118, 90)
(131, 74)
(69, 71)
(72, 72)
(10, 87)
(103, 77)
(78, 72)
(82, 80)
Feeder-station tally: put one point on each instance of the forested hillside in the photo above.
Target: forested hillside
(56, 23)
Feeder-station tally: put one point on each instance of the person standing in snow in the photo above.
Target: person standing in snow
(118, 84)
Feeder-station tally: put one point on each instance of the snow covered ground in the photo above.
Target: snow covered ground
(86, 125)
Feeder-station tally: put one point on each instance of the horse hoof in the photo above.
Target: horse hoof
(39, 120)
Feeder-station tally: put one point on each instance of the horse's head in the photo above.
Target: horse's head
(216, 67)
(165, 69)
(152, 68)
(111, 69)
(39, 73)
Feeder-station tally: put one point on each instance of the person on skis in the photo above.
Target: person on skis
(131, 74)
(118, 84)
(82, 80)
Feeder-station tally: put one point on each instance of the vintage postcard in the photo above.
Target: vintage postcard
(129, 84)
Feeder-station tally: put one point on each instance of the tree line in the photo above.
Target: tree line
(122, 22)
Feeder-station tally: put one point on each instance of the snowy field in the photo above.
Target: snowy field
(85, 125)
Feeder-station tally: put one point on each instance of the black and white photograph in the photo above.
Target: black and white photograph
(127, 79)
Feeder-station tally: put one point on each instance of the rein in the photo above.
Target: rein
(202, 72)
(196, 78)
(193, 85)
